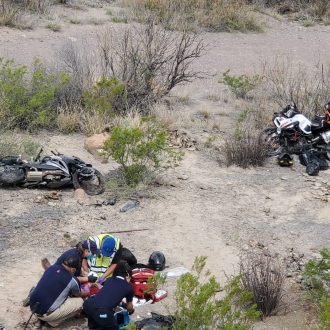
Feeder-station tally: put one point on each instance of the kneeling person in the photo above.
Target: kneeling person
(100, 308)
(51, 297)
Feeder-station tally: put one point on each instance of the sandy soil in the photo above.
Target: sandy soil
(214, 211)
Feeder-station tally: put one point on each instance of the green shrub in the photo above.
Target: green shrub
(240, 85)
(27, 103)
(138, 149)
(317, 275)
(324, 312)
(240, 121)
(317, 279)
(196, 305)
(13, 144)
(107, 97)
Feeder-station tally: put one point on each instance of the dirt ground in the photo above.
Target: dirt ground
(206, 209)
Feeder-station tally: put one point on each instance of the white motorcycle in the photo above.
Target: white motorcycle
(293, 133)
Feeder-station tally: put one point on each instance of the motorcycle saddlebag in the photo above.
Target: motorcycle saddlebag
(285, 160)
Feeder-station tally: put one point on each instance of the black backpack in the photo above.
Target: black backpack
(311, 162)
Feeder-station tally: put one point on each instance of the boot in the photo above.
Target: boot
(26, 301)
(45, 263)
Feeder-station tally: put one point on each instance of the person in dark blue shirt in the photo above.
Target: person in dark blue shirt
(83, 250)
(50, 300)
(100, 308)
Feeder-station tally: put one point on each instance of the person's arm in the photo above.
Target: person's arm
(110, 270)
(85, 265)
(82, 279)
(83, 294)
(75, 289)
(129, 307)
(90, 279)
(97, 285)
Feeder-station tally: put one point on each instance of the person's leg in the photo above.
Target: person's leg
(68, 309)
(88, 308)
(99, 318)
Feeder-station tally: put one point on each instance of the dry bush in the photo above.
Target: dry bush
(131, 118)
(149, 60)
(145, 61)
(285, 81)
(22, 13)
(14, 143)
(211, 15)
(78, 60)
(260, 112)
(170, 118)
(68, 119)
(264, 276)
(244, 149)
(317, 9)
(92, 122)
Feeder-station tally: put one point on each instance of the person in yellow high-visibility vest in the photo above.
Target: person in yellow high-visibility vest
(111, 253)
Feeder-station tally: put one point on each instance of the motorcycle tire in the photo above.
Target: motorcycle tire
(270, 138)
(91, 187)
(11, 175)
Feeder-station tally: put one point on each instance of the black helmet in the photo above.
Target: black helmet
(157, 260)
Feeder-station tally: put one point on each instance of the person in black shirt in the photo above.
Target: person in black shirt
(100, 308)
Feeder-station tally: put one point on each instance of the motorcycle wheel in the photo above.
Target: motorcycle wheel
(272, 142)
(11, 175)
(91, 187)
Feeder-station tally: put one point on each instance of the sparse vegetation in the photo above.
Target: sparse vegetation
(13, 144)
(317, 281)
(140, 150)
(196, 305)
(264, 276)
(240, 85)
(27, 104)
(246, 150)
(215, 15)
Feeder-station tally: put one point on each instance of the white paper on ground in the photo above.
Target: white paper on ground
(140, 302)
(178, 271)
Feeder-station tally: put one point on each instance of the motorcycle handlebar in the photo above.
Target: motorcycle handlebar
(39, 153)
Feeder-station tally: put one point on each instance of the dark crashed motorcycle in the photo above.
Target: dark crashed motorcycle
(51, 171)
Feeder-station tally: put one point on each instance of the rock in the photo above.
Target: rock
(94, 145)
(174, 183)
(161, 180)
(183, 177)
(73, 242)
(202, 186)
(266, 209)
(245, 247)
(81, 196)
(253, 243)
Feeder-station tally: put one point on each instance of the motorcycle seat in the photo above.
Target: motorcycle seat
(317, 122)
